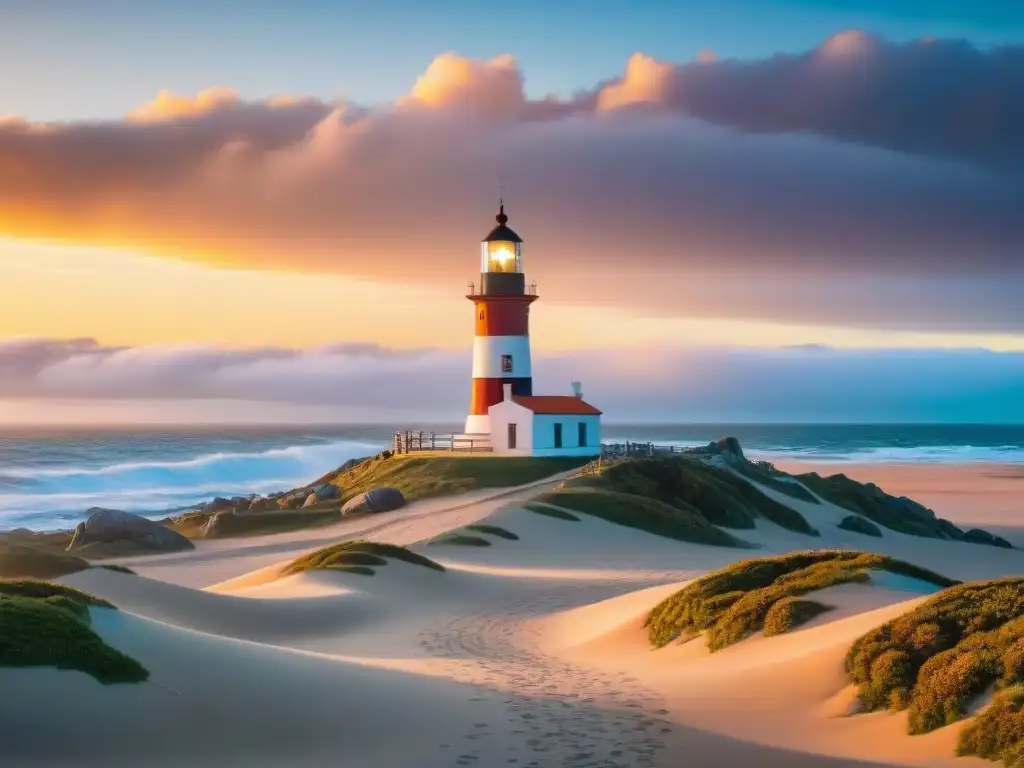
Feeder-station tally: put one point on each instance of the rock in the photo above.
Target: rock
(310, 500)
(978, 536)
(731, 445)
(327, 492)
(377, 500)
(222, 523)
(261, 504)
(108, 526)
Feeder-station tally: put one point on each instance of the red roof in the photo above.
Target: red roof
(556, 405)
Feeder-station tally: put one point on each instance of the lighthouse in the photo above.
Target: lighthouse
(501, 343)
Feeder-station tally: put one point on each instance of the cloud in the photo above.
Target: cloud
(682, 384)
(799, 188)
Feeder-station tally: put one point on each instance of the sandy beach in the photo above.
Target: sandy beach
(525, 653)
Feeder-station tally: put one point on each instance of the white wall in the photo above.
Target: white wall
(544, 435)
(501, 415)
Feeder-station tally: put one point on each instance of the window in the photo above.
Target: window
(558, 435)
(511, 436)
(583, 434)
(506, 363)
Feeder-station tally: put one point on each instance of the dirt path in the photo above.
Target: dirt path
(557, 714)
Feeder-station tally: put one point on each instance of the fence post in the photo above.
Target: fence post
(453, 443)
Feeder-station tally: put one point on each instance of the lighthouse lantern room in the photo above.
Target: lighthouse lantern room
(502, 369)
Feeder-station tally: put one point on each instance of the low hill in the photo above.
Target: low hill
(940, 658)
(767, 594)
(897, 513)
(695, 487)
(415, 476)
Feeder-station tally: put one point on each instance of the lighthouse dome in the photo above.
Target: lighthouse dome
(502, 232)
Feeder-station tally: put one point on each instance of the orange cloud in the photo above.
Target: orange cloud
(645, 81)
(742, 173)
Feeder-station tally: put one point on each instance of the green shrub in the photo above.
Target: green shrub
(997, 733)
(949, 650)
(642, 513)
(733, 603)
(548, 511)
(790, 612)
(348, 554)
(461, 540)
(859, 524)
(47, 625)
(493, 530)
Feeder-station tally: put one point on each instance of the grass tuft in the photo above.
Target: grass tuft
(460, 540)
(791, 612)
(548, 511)
(733, 603)
(47, 625)
(935, 660)
(645, 514)
(346, 555)
(997, 733)
(493, 530)
(859, 524)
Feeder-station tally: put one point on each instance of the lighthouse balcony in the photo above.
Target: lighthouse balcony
(503, 284)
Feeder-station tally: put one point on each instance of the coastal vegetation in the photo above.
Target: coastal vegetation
(493, 530)
(48, 625)
(895, 513)
(859, 524)
(944, 655)
(731, 604)
(640, 512)
(320, 503)
(711, 493)
(460, 540)
(34, 556)
(428, 476)
(549, 511)
(357, 557)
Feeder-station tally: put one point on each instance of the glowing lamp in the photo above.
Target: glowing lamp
(502, 249)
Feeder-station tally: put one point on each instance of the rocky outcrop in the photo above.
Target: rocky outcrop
(730, 445)
(125, 531)
(383, 499)
(978, 536)
(326, 492)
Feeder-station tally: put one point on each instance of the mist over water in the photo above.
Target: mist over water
(48, 478)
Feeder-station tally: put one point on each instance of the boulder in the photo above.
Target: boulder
(113, 526)
(327, 492)
(382, 499)
(730, 445)
(310, 500)
(261, 504)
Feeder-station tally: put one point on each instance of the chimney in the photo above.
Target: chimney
(577, 389)
(507, 392)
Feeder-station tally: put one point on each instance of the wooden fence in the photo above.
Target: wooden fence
(413, 442)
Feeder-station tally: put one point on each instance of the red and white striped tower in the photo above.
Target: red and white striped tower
(501, 346)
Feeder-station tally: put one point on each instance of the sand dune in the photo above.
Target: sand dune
(524, 653)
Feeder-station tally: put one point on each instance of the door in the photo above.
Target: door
(558, 435)
(582, 442)
(512, 436)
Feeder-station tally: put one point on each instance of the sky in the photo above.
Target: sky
(820, 198)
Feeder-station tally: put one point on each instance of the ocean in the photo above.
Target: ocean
(49, 477)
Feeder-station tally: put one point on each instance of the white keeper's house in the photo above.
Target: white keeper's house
(503, 408)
